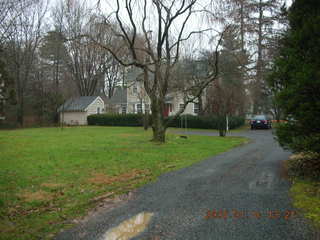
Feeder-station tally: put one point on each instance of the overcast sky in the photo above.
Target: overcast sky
(196, 22)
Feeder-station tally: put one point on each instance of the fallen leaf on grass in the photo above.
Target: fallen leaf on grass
(36, 196)
(51, 185)
(101, 178)
(102, 197)
(171, 166)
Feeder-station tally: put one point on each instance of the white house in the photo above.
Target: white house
(134, 99)
(76, 110)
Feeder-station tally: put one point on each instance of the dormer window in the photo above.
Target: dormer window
(135, 89)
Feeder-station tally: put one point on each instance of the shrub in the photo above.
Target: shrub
(8, 125)
(130, 120)
(135, 120)
(306, 165)
(204, 122)
(292, 135)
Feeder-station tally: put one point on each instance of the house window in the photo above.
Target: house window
(98, 110)
(196, 108)
(139, 108)
(123, 108)
(181, 105)
(147, 107)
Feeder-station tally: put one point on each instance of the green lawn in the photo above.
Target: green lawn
(245, 127)
(306, 197)
(49, 176)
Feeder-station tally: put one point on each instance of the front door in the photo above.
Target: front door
(167, 109)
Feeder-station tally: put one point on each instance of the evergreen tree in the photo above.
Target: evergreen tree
(297, 71)
(52, 68)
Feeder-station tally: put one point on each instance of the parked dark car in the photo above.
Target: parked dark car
(260, 121)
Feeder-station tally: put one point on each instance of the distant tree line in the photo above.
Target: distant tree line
(75, 49)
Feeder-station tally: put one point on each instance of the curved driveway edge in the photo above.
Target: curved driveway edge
(238, 195)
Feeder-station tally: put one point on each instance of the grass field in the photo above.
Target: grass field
(182, 130)
(50, 176)
(306, 197)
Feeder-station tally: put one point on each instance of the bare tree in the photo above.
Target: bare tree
(86, 62)
(90, 67)
(21, 47)
(7, 92)
(158, 53)
(10, 10)
(113, 75)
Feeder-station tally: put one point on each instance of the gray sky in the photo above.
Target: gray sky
(195, 23)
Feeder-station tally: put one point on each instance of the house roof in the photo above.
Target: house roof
(78, 104)
(169, 99)
(119, 96)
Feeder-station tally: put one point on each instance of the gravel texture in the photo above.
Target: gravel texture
(245, 186)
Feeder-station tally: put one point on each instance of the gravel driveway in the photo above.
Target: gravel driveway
(241, 194)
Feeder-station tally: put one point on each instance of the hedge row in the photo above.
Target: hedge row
(134, 120)
(130, 120)
(205, 122)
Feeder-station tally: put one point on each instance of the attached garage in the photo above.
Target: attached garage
(76, 110)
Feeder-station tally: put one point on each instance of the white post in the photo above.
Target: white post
(227, 119)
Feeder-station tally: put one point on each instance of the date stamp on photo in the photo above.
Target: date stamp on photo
(240, 214)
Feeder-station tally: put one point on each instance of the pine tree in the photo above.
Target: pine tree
(297, 71)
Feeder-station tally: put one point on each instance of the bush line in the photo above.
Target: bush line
(136, 120)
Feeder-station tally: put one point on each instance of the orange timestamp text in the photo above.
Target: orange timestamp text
(240, 214)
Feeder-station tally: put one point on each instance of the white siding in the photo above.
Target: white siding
(92, 108)
(134, 98)
(80, 118)
(177, 100)
(74, 118)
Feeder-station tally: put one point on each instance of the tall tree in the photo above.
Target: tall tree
(86, 62)
(159, 52)
(257, 22)
(21, 48)
(7, 91)
(113, 75)
(10, 10)
(227, 97)
(54, 59)
(264, 16)
(296, 70)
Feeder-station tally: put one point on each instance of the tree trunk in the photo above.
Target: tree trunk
(158, 124)
(242, 25)
(20, 112)
(222, 133)
(146, 119)
(222, 125)
(201, 110)
(258, 85)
